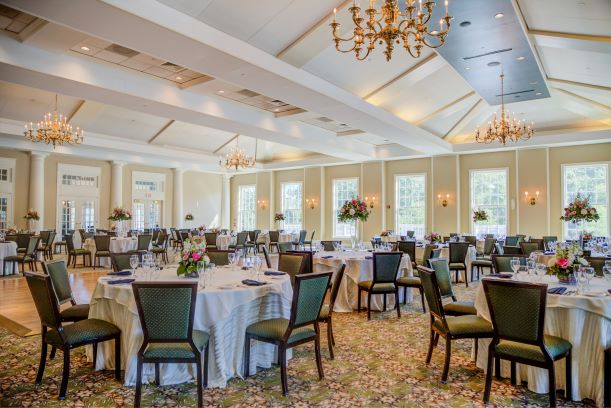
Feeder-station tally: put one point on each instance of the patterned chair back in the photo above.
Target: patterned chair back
(274, 237)
(44, 299)
(408, 247)
(22, 240)
(489, 246)
(293, 264)
(102, 242)
(219, 257)
(427, 253)
(285, 247)
(32, 245)
(144, 241)
(458, 251)
(210, 238)
(308, 296)
(385, 266)
(432, 293)
(120, 261)
(60, 280)
(512, 241)
(529, 247)
(308, 259)
(69, 242)
(50, 238)
(540, 244)
(242, 238)
(442, 273)
(502, 263)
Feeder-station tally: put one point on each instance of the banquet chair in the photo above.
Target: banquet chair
(268, 260)
(102, 248)
(385, 268)
(598, 263)
(329, 246)
(450, 327)
(293, 264)
(251, 243)
(161, 246)
(517, 311)
(144, 243)
(430, 251)
(240, 241)
(29, 257)
(155, 233)
(61, 244)
(444, 281)
(166, 311)
(529, 247)
(274, 237)
(309, 241)
(489, 247)
(502, 263)
(66, 338)
(44, 236)
(301, 240)
(410, 234)
(73, 252)
(409, 248)
(285, 247)
(219, 257)
(302, 327)
(512, 241)
(471, 239)
(512, 250)
(485, 260)
(120, 260)
(547, 240)
(22, 242)
(309, 258)
(326, 312)
(458, 259)
(411, 282)
(47, 246)
(539, 242)
(175, 241)
(210, 238)
(607, 379)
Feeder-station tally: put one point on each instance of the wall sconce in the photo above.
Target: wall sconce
(371, 202)
(311, 202)
(262, 204)
(532, 200)
(444, 201)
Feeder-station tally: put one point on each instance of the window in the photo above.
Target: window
(138, 215)
(247, 208)
(589, 180)
(292, 206)
(4, 207)
(88, 215)
(143, 185)
(489, 193)
(154, 214)
(4, 175)
(410, 204)
(73, 180)
(68, 216)
(343, 190)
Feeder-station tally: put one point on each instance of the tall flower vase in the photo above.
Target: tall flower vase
(354, 234)
(32, 225)
(120, 228)
(580, 232)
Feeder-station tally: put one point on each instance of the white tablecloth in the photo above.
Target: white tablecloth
(445, 253)
(223, 241)
(582, 320)
(223, 312)
(117, 245)
(7, 248)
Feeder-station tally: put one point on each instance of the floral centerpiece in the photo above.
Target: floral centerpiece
(433, 237)
(189, 217)
(120, 214)
(31, 214)
(579, 210)
(586, 235)
(351, 212)
(279, 217)
(192, 258)
(567, 256)
(480, 215)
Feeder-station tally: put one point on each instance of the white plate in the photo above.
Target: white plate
(595, 294)
(227, 286)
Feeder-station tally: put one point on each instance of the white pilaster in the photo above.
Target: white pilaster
(37, 185)
(226, 202)
(177, 199)
(116, 185)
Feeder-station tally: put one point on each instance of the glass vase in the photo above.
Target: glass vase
(354, 234)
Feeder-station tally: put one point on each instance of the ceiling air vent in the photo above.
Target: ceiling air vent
(172, 67)
(324, 119)
(121, 50)
(515, 93)
(487, 53)
(248, 93)
(277, 102)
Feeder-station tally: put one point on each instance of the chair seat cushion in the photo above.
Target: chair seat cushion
(158, 250)
(177, 350)
(556, 347)
(469, 325)
(412, 281)
(102, 253)
(460, 308)
(275, 328)
(378, 287)
(481, 262)
(75, 313)
(324, 312)
(85, 331)
(80, 251)
(17, 258)
(457, 265)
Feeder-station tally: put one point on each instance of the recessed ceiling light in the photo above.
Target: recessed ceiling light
(85, 48)
(521, 58)
(493, 64)
(434, 32)
(465, 24)
(221, 91)
(533, 83)
(499, 15)
(467, 68)
(276, 110)
(179, 78)
(516, 96)
(538, 93)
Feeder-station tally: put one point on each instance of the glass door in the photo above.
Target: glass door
(6, 204)
(146, 214)
(78, 213)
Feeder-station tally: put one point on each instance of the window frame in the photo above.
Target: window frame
(254, 204)
(396, 199)
(300, 209)
(334, 200)
(507, 197)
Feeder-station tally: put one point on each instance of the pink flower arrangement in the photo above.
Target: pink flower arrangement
(354, 209)
(433, 237)
(580, 210)
(31, 214)
(567, 255)
(120, 214)
(193, 257)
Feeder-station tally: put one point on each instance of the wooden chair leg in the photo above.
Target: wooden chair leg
(321, 373)
(283, 378)
(206, 354)
(422, 299)
(429, 354)
(397, 303)
(404, 295)
(117, 358)
(368, 305)
(476, 346)
(513, 373)
(138, 390)
(43, 362)
(53, 351)
(200, 390)
(446, 364)
(157, 382)
(384, 303)
(568, 388)
(488, 383)
(551, 373)
(65, 374)
(497, 368)
(95, 354)
(359, 301)
(330, 341)
(247, 356)
(466, 280)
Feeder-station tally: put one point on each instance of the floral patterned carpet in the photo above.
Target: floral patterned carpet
(378, 363)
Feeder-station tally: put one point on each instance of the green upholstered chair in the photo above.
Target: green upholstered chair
(60, 280)
(274, 237)
(598, 263)
(22, 242)
(326, 312)
(547, 239)
(489, 247)
(539, 242)
(210, 238)
(120, 260)
(293, 264)
(219, 257)
(66, 338)
(29, 257)
(240, 242)
(309, 241)
(512, 241)
(301, 240)
(251, 243)
(409, 248)
(458, 259)
(144, 243)
(46, 243)
(502, 263)
(451, 327)
(484, 260)
(160, 247)
(329, 245)
(73, 252)
(385, 268)
(309, 259)
(102, 248)
(268, 260)
(284, 247)
(529, 247)
(471, 239)
(166, 311)
(444, 281)
(406, 282)
(428, 253)
(512, 250)
(302, 327)
(517, 311)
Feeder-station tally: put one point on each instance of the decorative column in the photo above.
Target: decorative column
(226, 202)
(177, 198)
(116, 185)
(37, 186)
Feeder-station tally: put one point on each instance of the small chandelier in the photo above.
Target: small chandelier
(237, 158)
(505, 128)
(392, 26)
(54, 129)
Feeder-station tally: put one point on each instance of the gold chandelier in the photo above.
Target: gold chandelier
(237, 158)
(392, 26)
(505, 128)
(54, 129)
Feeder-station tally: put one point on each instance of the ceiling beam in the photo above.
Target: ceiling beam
(579, 84)
(582, 37)
(443, 108)
(75, 110)
(163, 129)
(594, 103)
(459, 125)
(226, 143)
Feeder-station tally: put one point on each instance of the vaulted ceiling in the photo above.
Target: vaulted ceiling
(176, 81)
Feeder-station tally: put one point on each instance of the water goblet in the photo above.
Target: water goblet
(515, 264)
(133, 262)
(231, 258)
(531, 264)
(589, 273)
(540, 270)
(522, 273)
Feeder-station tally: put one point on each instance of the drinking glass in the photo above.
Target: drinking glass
(581, 279)
(531, 264)
(589, 273)
(522, 273)
(133, 262)
(541, 269)
(515, 264)
(231, 257)
(256, 265)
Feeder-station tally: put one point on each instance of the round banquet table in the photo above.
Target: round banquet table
(7, 248)
(584, 321)
(263, 237)
(224, 309)
(223, 241)
(445, 253)
(117, 245)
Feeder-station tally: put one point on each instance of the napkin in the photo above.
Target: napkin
(252, 282)
(556, 291)
(327, 257)
(274, 273)
(120, 273)
(245, 268)
(370, 250)
(500, 275)
(120, 281)
(369, 257)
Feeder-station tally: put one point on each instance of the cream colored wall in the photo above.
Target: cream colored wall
(21, 183)
(371, 186)
(532, 176)
(338, 172)
(166, 221)
(202, 194)
(313, 217)
(264, 208)
(445, 180)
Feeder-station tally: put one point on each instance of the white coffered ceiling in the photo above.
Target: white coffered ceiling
(177, 80)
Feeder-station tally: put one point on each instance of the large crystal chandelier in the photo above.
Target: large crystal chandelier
(392, 26)
(505, 128)
(237, 158)
(54, 129)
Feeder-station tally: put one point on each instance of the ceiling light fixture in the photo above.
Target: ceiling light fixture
(505, 129)
(178, 78)
(236, 158)
(499, 15)
(85, 48)
(53, 129)
(521, 58)
(392, 26)
(538, 93)
(221, 91)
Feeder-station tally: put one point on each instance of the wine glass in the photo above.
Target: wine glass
(522, 272)
(540, 269)
(231, 258)
(589, 273)
(133, 262)
(256, 265)
(515, 264)
(530, 265)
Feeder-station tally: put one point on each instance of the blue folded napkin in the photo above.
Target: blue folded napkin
(369, 257)
(274, 273)
(252, 282)
(370, 250)
(556, 291)
(245, 268)
(120, 281)
(120, 273)
(327, 257)
(500, 275)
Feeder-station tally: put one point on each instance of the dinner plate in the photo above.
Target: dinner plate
(595, 294)
(227, 286)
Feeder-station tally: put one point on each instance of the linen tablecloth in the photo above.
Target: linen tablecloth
(224, 309)
(445, 253)
(7, 248)
(223, 241)
(117, 245)
(582, 320)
